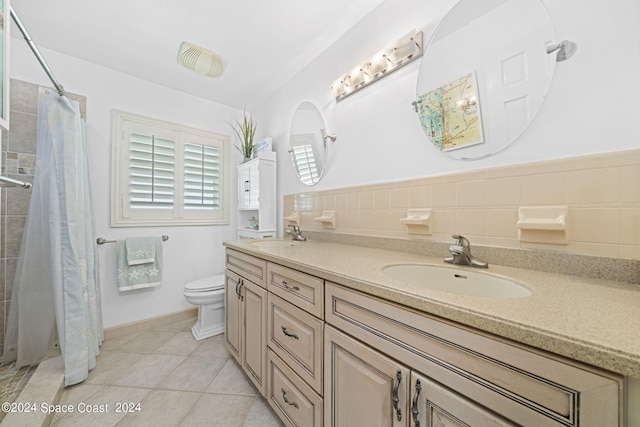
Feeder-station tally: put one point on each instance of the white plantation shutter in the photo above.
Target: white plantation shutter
(151, 172)
(306, 162)
(167, 174)
(304, 157)
(201, 177)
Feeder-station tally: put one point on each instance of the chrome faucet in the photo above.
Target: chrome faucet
(295, 233)
(461, 253)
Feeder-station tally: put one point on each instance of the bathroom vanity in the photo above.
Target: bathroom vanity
(329, 339)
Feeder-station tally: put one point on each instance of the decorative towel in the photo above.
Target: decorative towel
(138, 276)
(140, 250)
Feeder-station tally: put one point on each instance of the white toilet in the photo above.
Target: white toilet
(208, 294)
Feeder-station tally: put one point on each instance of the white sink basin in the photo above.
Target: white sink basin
(456, 281)
(274, 243)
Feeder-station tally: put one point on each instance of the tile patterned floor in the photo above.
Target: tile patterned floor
(176, 380)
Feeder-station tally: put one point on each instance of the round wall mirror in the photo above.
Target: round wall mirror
(484, 75)
(308, 143)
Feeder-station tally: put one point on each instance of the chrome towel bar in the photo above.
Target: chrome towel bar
(102, 240)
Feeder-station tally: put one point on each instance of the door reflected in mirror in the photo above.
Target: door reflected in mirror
(484, 75)
(308, 143)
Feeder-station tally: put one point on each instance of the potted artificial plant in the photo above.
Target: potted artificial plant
(245, 131)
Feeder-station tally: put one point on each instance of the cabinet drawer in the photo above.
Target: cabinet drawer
(294, 401)
(247, 266)
(300, 289)
(526, 386)
(296, 336)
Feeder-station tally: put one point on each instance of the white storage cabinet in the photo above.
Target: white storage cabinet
(257, 197)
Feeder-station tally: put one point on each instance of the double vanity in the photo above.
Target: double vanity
(342, 335)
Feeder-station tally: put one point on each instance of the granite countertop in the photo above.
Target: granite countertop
(589, 320)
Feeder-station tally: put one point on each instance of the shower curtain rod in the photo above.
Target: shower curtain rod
(36, 52)
(5, 181)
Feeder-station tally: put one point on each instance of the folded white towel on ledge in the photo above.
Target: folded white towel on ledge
(139, 276)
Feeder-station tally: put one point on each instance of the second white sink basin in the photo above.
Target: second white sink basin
(456, 281)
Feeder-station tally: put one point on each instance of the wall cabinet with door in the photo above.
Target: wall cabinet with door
(257, 197)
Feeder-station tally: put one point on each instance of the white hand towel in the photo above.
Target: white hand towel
(138, 275)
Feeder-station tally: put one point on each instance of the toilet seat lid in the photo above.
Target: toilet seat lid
(205, 284)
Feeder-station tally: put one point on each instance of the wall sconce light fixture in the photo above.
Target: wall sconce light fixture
(406, 49)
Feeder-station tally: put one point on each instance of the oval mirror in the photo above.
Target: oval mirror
(308, 143)
(484, 75)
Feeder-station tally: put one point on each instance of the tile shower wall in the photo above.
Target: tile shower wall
(601, 191)
(18, 161)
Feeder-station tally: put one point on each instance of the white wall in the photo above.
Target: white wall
(590, 107)
(190, 252)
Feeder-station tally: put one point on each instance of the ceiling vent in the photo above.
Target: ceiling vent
(201, 60)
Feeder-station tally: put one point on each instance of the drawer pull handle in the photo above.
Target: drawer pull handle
(288, 286)
(414, 407)
(237, 285)
(395, 397)
(289, 334)
(284, 397)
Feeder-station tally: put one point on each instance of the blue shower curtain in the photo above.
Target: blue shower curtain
(55, 304)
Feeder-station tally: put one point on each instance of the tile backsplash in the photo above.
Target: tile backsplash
(601, 192)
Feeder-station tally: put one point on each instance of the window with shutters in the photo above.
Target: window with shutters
(304, 158)
(165, 174)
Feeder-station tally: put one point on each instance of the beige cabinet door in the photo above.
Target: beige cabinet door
(363, 387)
(232, 312)
(254, 333)
(433, 405)
(246, 326)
